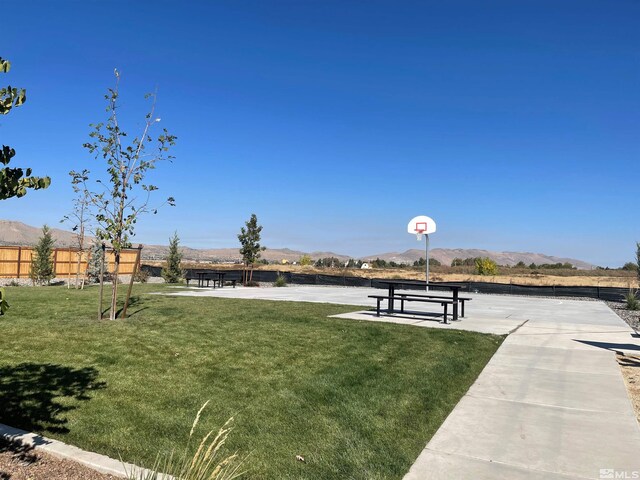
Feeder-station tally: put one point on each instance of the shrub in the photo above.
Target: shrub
(280, 282)
(305, 260)
(4, 306)
(486, 266)
(632, 300)
(141, 276)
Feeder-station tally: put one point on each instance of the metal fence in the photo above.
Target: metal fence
(603, 293)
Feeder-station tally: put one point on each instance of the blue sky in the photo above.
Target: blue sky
(513, 124)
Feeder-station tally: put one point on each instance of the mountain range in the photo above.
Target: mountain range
(18, 233)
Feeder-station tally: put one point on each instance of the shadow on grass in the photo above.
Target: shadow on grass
(36, 396)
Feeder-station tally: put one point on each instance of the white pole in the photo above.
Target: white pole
(427, 249)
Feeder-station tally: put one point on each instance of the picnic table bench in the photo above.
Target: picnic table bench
(461, 300)
(444, 302)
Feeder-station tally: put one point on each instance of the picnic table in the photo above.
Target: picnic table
(210, 275)
(392, 285)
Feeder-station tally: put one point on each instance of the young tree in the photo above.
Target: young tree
(124, 196)
(80, 217)
(41, 261)
(172, 271)
(250, 247)
(14, 182)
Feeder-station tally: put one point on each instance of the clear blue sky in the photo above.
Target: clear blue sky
(513, 124)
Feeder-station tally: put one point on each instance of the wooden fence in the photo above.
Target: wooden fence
(15, 262)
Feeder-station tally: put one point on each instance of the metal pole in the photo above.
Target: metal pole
(427, 249)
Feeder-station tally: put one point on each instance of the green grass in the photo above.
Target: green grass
(356, 399)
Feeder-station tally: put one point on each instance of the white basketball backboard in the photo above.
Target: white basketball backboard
(421, 225)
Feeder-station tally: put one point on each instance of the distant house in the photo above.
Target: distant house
(365, 266)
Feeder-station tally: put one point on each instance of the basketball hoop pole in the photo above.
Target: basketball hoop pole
(427, 250)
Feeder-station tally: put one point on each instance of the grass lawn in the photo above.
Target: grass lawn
(356, 399)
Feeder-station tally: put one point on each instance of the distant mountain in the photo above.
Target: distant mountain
(18, 233)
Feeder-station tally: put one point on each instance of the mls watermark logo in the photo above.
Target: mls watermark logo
(622, 474)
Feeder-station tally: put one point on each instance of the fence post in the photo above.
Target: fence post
(19, 259)
(55, 262)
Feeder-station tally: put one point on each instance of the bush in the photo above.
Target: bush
(141, 276)
(280, 282)
(486, 266)
(4, 306)
(252, 283)
(632, 300)
(305, 260)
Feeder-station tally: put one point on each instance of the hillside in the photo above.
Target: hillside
(18, 233)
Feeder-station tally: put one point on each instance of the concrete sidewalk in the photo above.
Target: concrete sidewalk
(551, 404)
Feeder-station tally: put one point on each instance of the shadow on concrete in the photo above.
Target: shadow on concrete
(614, 347)
(35, 396)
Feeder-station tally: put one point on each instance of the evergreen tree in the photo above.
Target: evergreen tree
(172, 271)
(41, 261)
(95, 262)
(249, 238)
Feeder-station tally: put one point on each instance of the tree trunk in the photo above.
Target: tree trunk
(78, 266)
(114, 290)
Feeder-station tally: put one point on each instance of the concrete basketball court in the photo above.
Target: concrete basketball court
(550, 404)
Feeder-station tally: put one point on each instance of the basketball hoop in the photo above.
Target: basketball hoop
(422, 225)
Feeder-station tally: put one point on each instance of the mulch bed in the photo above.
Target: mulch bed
(19, 462)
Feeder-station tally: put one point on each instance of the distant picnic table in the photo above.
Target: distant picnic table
(209, 276)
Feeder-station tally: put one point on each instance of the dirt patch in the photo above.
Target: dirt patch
(18, 462)
(630, 366)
